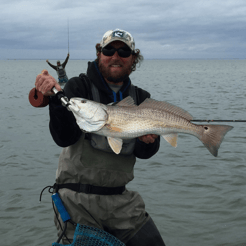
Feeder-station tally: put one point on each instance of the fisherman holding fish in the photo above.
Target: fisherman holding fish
(92, 175)
(60, 69)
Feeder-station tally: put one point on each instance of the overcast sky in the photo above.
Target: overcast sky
(162, 29)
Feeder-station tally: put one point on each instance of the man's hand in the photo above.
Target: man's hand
(150, 138)
(45, 82)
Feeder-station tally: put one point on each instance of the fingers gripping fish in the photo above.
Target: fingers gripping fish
(126, 120)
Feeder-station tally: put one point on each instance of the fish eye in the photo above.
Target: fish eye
(83, 101)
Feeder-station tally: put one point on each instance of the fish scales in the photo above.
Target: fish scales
(136, 122)
(125, 120)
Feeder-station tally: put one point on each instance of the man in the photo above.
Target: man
(91, 178)
(60, 69)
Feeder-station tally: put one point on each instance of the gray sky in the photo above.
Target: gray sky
(162, 29)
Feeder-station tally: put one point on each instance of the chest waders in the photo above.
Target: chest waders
(61, 72)
(91, 183)
(83, 235)
(88, 162)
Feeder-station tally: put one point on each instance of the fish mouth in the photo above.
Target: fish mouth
(73, 106)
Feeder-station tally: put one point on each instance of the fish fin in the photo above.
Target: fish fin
(126, 102)
(115, 144)
(165, 106)
(172, 139)
(212, 137)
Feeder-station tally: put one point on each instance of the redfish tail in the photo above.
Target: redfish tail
(213, 136)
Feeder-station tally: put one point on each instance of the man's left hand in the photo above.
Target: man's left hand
(150, 138)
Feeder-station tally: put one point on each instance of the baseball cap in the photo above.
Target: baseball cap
(118, 35)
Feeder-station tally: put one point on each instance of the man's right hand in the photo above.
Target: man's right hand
(45, 82)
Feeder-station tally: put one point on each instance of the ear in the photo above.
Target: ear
(133, 58)
(99, 55)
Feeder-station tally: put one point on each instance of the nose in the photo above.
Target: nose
(115, 55)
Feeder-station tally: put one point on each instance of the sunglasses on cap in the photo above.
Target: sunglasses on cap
(122, 52)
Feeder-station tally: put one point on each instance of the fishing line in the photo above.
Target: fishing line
(68, 33)
(218, 121)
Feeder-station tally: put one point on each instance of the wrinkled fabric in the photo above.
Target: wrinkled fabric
(81, 163)
(120, 215)
(148, 235)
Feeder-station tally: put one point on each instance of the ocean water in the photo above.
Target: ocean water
(194, 198)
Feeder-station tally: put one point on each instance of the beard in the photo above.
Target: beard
(113, 76)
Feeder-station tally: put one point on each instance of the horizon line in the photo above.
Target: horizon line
(31, 59)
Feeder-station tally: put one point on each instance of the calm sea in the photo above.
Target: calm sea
(194, 198)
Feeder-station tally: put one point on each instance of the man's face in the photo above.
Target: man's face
(113, 68)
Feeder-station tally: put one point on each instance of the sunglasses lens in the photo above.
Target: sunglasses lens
(122, 52)
(108, 51)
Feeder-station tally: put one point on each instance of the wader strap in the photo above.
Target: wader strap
(95, 93)
(87, 85)
(132, 93)
(91, 189)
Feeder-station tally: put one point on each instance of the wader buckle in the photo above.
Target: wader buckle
(85, 188)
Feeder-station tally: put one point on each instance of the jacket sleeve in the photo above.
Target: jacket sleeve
(143, 150)
(65, 62)
(55, 67)
(63, 126)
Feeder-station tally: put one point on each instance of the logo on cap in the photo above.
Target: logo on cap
(118, 34)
